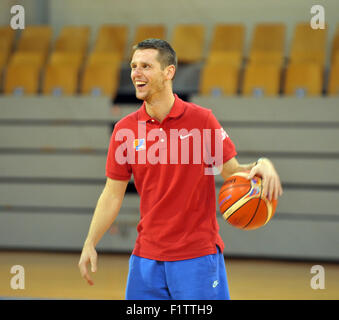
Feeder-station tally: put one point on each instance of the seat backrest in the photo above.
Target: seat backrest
(188, 42)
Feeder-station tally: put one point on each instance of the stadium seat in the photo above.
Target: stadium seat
(22, 79)
(308, 45)
(219, 79)
(73, 39)
(227, 44)
(100, 80)
(27, 58)
(35, 38)
(60, 80)
(101, 74)
(112, 38)
(188, 42)
(146, 31)
(262, 80)
(62, 72)
(228, 37)
(304, 79)
(67, 58)
(268, 43)
(225, 57)
(23, 73)
(103, 58)
(333, 85)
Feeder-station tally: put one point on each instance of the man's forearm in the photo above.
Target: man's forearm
(105, 213)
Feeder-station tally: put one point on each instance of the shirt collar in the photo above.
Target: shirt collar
(176, 110)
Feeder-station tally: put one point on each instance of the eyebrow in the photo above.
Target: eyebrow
(142, 62)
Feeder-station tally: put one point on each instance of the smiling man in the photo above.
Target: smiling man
(178, 253)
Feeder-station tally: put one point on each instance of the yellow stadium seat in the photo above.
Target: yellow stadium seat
(35, 38)
(268, 43)
(100, 80)
(146, 31)
(67, 58)
(333, 85)
(188, 42)
(101, 74)
(225, 57)
(22, 79)
(268, 37)
(219, 79)
(103, 58)
(227, 44)
(304, 79)
(308, 45)
(61, 76)
(228, 37)
(60, 80)
(23, 73)
(73, 39)
(267, 57)
(28, 58)
(112, 38)
(262, 80)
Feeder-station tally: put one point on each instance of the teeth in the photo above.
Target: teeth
(139, 83)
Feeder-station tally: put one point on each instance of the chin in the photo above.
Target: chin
(141, 96)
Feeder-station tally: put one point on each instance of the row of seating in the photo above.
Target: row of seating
(268, 40)
(70, 69)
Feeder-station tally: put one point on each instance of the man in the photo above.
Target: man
(178, 251)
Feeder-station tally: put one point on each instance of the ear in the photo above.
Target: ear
(170, 72)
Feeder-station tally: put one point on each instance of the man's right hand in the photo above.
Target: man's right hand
(88, 255)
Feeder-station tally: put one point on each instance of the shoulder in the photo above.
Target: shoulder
(128, 121)
(195, 110)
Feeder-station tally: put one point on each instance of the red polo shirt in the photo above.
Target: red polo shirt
(170, 162)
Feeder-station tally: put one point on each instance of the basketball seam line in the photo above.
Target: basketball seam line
(249, 190)
(255, 212)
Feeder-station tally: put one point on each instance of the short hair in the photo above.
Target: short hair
(166, 54)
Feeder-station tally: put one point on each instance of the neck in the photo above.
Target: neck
(160, 106)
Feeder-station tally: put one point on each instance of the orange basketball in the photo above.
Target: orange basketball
(242, 203)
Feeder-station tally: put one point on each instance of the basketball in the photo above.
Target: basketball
(242, 203)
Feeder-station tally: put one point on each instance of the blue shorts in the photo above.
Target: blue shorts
(202, 278)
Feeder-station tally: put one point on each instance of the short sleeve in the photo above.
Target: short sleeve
(219, 139)
(117, 166)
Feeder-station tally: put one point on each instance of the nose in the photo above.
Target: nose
(135, 72)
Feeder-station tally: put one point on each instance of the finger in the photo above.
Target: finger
(280, 189)
(277, 189)
(84, 273)
(252, 173)
(87, 277)
(271, 189)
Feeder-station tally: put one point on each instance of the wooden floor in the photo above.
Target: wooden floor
(56, 275)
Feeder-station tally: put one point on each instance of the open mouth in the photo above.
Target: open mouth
(140, 84)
